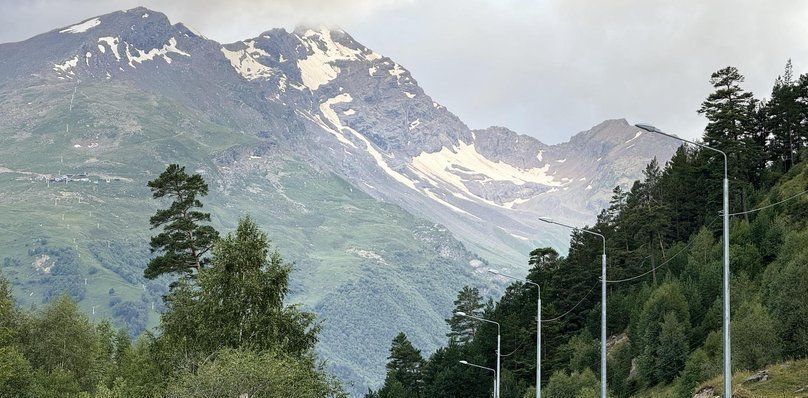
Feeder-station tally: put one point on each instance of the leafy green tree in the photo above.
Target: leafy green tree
(56, 383)
(184, 241)
(564, 385)
(15, 373)
(698, 368)
(462, 329)
(62, 344)
(584, 352)
(755, 342)
(657, 329)
(672, 350)
(239, 301)
(241, 372)
(785, 280)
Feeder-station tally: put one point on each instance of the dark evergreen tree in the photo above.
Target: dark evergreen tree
(462, 329)
(404, 366)
(185, 240)
(731, 128)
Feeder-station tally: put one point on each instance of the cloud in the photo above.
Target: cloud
(547, 68)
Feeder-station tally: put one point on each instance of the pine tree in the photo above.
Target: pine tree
(784, 117)
(731, 128)
(405, 364)
(463, 328)
(184, 241)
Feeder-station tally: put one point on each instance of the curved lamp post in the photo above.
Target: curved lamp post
(727, 358)
(603, 302)
(485, 368)
(499, 351)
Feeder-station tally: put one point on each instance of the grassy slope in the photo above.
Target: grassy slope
(785, 379)
(344, 243)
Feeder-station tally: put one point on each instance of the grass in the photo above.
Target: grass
(784, 381)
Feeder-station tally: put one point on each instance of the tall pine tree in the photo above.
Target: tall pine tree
(185, 240)
(463, 328)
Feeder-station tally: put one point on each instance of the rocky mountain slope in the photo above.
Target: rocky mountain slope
(331, 146)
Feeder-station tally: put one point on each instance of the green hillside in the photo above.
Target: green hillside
(88, 236)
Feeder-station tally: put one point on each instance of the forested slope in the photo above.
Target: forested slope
(664, 273)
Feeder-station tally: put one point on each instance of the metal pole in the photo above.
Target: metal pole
(726, 323)
(499, 353)
(603, 301)
(603, 325)
(727, 352)
(538, 345)
(485, 368)
(538, 325)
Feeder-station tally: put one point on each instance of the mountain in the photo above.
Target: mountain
(385, 200)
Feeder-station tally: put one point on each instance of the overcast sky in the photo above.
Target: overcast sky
(546, 68)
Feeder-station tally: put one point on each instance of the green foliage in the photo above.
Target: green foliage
(584, 352)
(698, 368)
(61, 343)
(755, 341)
(229, 332)
(786, 281)
(184, 241)
(240, 372)
(462, 329)
(570, 385)
(672, 348)
(239, 301)
(404, 367)
(15, 373)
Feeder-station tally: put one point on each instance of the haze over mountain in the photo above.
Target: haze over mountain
(387, 202)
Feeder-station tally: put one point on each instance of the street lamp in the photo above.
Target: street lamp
(538, 326)
(499, 339)
(485, 368)
(727, 358)
(603, 302)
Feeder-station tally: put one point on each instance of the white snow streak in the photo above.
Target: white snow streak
(168, 48)
(318, 68)
(332, 117)
(246, 65)
(112, 42)
(82, 27)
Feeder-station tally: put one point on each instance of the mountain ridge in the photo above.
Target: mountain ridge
(334, 147)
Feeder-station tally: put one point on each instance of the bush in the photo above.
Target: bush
(563, 385)
(755, 342)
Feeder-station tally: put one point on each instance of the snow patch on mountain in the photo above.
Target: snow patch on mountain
(244, 62)
(82, 27)
(452, 165)
(318, 68)
(66, 67)
(112, 43)
(141, 56)
(639, 133)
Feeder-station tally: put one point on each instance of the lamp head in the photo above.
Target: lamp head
(460, 313)
(464, 362)
(546, 219)
(648, 127)
(493, 271)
